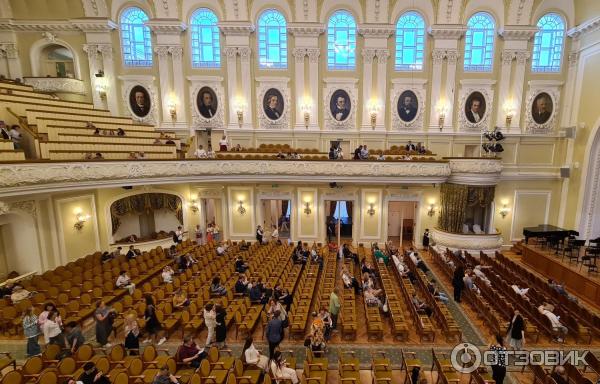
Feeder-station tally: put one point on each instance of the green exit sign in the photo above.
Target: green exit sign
(274, 185)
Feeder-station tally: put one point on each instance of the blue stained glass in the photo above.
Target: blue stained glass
(272, 40)
(410, 42)
(548, 44)
(206, 46)
(341, 41)
(136, 42)
(479, 43)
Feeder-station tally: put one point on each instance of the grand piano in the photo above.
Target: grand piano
(547, 231)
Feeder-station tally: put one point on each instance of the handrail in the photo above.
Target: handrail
(23, 124)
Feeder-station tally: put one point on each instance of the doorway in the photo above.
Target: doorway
(342, 148)
(338, 221)
(277, 213)
(402, 223)
(212, 212)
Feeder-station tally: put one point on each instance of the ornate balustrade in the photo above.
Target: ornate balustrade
(56, 84)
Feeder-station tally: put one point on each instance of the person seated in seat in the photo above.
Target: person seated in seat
(131, 253)
(73, 338)
(180, 299)
(372, 300)
(350, 281)
(19, 294)
(91, 375)
(106, 256)
(189, 353)
(251, 355)
(216, 288)
(167, 274)
(420, 305)
(255, 293)
(124, 282)
(325, 317)
(369, 285)
(557, 326)
(380, 255)
(165, 377)
(172, 252)
(560, 288)
(436, 292)
(347, 253)
(241, 285)
(520, 291)
(240, 265)
(317, 341)
(560, 375)
(280, 370)
(221, 249)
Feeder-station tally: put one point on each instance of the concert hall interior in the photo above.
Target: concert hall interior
(299, 191)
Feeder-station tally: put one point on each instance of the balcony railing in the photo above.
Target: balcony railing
(56, 84)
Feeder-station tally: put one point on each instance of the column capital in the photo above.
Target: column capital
(106, 50)
(313, 54)
(368, 54)
(508, 56)
(299, 54)
(452, 55)
(91, 50)
(383, 55)
(573, 59)
(438, 55)
(230, 52)
(244, 53)
(522, 56)
(176, 52)
(162, 51)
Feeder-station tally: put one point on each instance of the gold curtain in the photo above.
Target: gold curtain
(480, 196)
(145, 202)
(453, 202)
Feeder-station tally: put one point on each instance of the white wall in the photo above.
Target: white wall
(20, 240)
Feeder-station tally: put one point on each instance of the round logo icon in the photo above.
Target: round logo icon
(465, 358)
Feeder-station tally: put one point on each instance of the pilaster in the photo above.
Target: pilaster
(92, 53)
(437, 55)
(313, 77)
(382, 59)
(452, 57)
(110, 78)
(163, 68)
(232, 94)
(178, 83)
(299, 55)
(368, 55)
(518, 84)
(246, 88)
(504, 90)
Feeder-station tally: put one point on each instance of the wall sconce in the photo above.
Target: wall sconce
(80, 219)
(505, 210)
(239, 105)
(373, 112)
(172, 106)
(241, 208)
(371, 210)
(431, 210)
(307, 209)
(194, 206)
(305, 108)
(509, 110)
(442, 109)
(101, 86)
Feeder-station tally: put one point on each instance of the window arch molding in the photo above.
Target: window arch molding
(329, 7)
(259, 6)
(480, 42)
(148, 60)
(197, 53)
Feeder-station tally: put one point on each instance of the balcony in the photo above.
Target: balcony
(56, 85)
(471, 242)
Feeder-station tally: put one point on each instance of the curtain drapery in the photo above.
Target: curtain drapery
(145, 202)
(455, 198)
(284, 207)
(332, 207)
(349, 208)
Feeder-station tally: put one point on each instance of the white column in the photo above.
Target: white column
(245, 53)
(436, 86)
(232, 94)
(178, 82)
(504, 94)
(108, 65)
(299, 54)
(313, 75)
(368, 54)
(452, 56)
(382, 58)
(14, 63)
(165, 88)
(92, 52)
(518, 84)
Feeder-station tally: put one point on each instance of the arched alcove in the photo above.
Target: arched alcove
(53, 58)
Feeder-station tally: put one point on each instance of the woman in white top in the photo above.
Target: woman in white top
(49, 308)
(223, 144)
(52, 331)
(200, 153)
(210, 320)
(280, 370)
(167, 274)
(252, 356)
(216, 232)
(275, 233)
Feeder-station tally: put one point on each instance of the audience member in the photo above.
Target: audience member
(165, 377)
(167, 274)
(274, 332)
(131, 253)
(334, 308)
(73, 338)
(124, 282)
(410, 147)
(436, 293)
(120, 132)
(280, 370)
(19, 294)
(499, 368)
(221, 249)
(104, 320)
(251, 355)
(153, 326)
(48, 309)
(31, 330)
(560, 375)
(420, 305)
(216, 288)
(180, 299)
(223, 144)
(210, 321)
(132, 334)
(200, 152)
(516, 331)
(91, 375)
(221, 328)
(51, 330)
(557, 326)
(458, 282)
(189, 353)
(15, 136)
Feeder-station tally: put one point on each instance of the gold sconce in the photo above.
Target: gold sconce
(442, 109)
(307, 209)
(239, 106)
(509, 110)
(374, 111)
(172, 105)
(194, 206)
(505, 210)
(305, 108)
(371, 210)
(80, 219)
(241, 210)
(431, 210)
(101, 86)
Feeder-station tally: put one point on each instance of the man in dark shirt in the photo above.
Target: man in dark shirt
(131, 253)
(91, 375)
(560, 376)
(189, 353)
(73, 336)
(164, 377)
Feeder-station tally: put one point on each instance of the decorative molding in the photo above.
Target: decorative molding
(299, 54)
(508, 56)
(552, 88)
(37, 25)
(94, 24)
(471, 243)
(589, 219)
(176, 52)
(230, 52)
(574, 59)
(518, 32)
(467, 87)
(368, 54)
(382, 55)
(166, 26)
(584, 28)
(438, 55)
(56, 84)
(236, 28)
(28, 206)
(9, 50)
(245, 53)
(162, 51)
(522, 56)
(479, 172)
(49, 36)
(20, 178)
(348, 85)
(216, 84)
(418, 86)
(313, 54)
(106, 50)
(376, 30)
(452, 56)
(305, 29)
(146, 81)
(447, 31)
(262, 86)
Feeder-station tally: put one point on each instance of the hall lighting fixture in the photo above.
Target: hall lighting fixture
(239, 106)
(241, 208)
(505, 210)
(371, 210)
(509, 110)
(194, 206)
(431, 210)
(373, 111)
(101, 87)
(305, 108)
(172, 105)
(307, 209)
(80, 219)
(442, 109)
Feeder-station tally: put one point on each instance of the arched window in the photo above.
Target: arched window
(135, 38)
(206, 51)
(479, 43)
(548, 44)
(272, 40)
(341, 41)
(410, 42)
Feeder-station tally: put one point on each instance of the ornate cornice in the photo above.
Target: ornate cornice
(166, 26)
(16, 179)
(37, 25)
(482, 171)
(94, 24)
(586, 27)
(517, 32)
(306, 29)
(236, 28)
(447, 31)
(376, 30)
